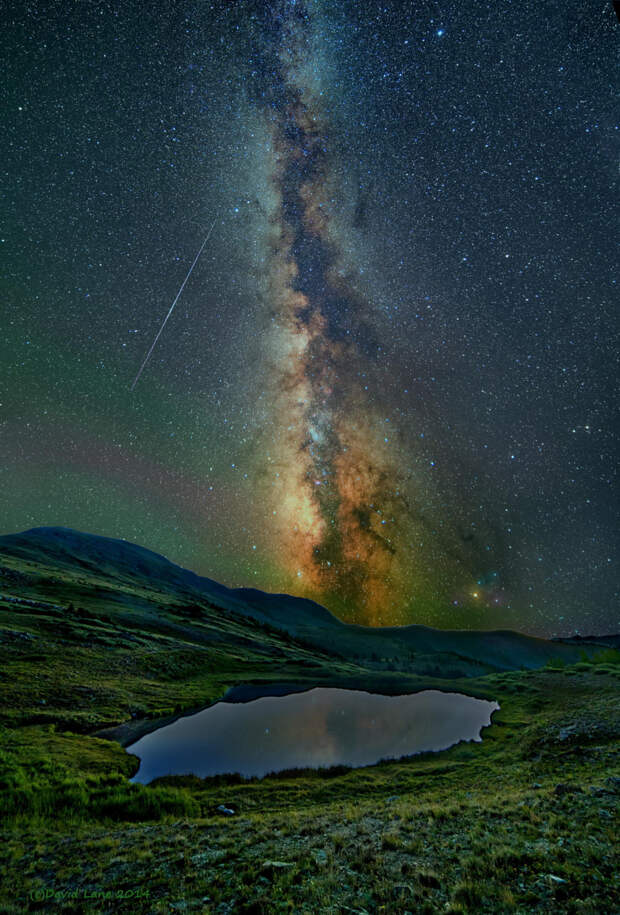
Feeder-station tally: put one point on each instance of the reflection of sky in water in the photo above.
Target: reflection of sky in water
(320, 727)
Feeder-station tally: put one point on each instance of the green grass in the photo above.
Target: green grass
(523, 822)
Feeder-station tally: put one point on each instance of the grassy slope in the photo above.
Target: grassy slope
(99, 573)
(476, 828)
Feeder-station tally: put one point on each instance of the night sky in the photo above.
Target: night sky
(390, 383)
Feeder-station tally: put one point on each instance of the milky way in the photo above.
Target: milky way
(348, 523)
(389, 382)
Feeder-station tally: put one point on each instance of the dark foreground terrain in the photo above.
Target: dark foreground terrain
(524, 822)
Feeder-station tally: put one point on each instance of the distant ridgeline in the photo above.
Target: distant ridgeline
(53, 568)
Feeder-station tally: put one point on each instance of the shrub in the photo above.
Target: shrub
(468, 894)
(607, 656)
(137, 802)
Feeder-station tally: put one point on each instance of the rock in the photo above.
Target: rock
(536, 786)
(276, 865)
(226, 811)
(320, 856)
(393, 797)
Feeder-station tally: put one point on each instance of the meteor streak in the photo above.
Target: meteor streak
(148, 355)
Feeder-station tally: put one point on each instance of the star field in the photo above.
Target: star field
(390, 383)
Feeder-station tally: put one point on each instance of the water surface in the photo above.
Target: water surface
(318, 727)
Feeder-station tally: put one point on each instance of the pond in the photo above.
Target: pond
(315, 728)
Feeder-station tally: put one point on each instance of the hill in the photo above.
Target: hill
(63, 567)
(103, 638)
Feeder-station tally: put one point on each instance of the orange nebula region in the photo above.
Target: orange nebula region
(328, 469)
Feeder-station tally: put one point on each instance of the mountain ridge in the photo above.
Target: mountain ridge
(121, 568)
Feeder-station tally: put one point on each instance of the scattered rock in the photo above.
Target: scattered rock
(275, 865)
(536, 786)
(226, 811)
